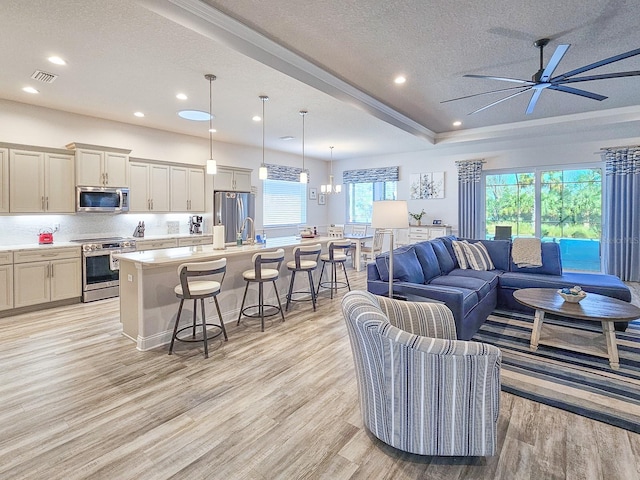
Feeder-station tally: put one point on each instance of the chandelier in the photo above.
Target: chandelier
(331, 187)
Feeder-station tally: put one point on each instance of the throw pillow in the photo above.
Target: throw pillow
(478, 256)
(459, 252)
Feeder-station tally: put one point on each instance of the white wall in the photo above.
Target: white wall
(537, 144)
(31, 125)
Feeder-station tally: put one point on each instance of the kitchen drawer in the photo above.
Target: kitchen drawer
(188, 242)
(418, 230)
(36, 255)
(156, 244)
(6, 258)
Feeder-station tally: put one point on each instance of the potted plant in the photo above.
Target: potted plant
(417, 216)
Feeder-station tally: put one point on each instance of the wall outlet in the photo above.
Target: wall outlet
(130, 278)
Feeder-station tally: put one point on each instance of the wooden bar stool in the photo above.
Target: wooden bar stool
(305, 260)
(337, 256)
(258, 274)
(199, 290)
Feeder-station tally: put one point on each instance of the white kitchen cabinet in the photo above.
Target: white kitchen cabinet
(42, 276)
(156, 244)
(427, 232)
(98, 166)
(187, 189)
(149, 190)
(234, 179)
(6, 280)
(4, 179)
(192, 241)
(41, 181)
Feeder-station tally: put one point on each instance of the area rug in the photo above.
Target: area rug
(576, 382)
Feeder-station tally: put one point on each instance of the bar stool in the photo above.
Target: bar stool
(261, 275)
(300, 264)
(337, 255)
(199, 290)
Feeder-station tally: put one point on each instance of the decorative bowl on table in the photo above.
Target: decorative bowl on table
(572, 295)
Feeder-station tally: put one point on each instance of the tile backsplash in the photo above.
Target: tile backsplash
(24, 229)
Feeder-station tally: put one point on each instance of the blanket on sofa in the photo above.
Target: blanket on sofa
(527, 252)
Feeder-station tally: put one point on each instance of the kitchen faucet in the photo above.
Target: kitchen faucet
(251, 234)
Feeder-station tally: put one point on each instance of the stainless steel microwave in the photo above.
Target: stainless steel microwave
(102, 199)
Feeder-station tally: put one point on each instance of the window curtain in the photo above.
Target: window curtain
(285, 173)
(469, 197)
(371, 175)
(622, 209)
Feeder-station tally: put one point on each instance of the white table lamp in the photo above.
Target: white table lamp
(387, 215)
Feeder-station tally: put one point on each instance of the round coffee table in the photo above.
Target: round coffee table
(599, 308)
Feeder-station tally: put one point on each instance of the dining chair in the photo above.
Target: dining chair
(335, 232)
(369, 252)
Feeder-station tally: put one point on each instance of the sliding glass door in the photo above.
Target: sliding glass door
(560, 205)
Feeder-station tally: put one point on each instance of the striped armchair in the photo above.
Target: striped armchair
(421, 390)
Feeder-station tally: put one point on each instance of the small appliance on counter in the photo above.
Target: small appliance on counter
(195, 224)
(45, 236)
(139, 231)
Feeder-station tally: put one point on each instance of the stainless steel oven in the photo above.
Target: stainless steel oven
(100, 271)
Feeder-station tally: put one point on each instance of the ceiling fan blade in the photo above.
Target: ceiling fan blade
(499, 101)
(575, 91)
(533, 101)
(502, 79)
(604, 76)
(485, 93)
(601, 63)
(553, 63)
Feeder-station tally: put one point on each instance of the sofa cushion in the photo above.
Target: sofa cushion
(477, 256)
(458, 251)
(428, 260)
(444, 258)
(448, 243)
(491, 277)
(499, 251)
(406, 267)
(551, 262)
(481, 287)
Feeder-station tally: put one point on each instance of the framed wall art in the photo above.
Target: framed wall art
(426, 185)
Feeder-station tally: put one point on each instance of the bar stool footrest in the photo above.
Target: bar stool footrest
(273, 310)
(333, 285)
(198, 338)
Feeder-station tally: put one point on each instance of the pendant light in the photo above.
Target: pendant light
(212, 167)
(330, 187)
(262, 171)
(303, 174)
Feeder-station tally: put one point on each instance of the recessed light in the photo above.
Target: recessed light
(256, 118)
(213, 130)
(195, 115)
(30, 90)
(457, 123)
(400, 79)
(139, 114)
(181, 96)
(57, 60)
(286, 138)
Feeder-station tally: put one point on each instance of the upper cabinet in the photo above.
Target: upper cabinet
(41, 181)
(150, 187)
(4, 180)
(98, 166)
(187, 189)
(235, 179)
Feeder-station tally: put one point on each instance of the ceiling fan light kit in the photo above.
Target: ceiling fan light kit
(543, 78)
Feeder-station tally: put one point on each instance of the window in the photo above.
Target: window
(360, 198)
(284, 203)
(563, 206)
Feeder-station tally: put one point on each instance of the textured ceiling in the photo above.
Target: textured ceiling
(126, 56)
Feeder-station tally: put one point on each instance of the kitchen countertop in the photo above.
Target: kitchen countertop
(36, 246)
(177, 255)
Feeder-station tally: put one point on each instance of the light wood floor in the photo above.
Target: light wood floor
(78, 401)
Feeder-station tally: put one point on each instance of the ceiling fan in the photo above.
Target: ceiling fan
(542, 79)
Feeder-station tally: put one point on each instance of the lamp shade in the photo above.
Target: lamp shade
(390, 214)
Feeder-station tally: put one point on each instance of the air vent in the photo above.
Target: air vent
(44, 77)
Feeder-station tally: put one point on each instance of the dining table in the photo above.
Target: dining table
(358, 240)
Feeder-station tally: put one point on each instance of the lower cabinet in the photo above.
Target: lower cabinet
(156, 244)
(191, 241)
(422, 233)
(41, 277)
(6, 287)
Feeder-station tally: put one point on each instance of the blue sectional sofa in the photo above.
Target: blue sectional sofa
(430, 270)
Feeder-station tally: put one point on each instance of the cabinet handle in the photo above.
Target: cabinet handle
(106, 176)
(51, 265)
(152, 204)
(188, 204)
(47, 203)
(42, 203)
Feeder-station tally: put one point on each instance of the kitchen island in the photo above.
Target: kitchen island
(148, 304)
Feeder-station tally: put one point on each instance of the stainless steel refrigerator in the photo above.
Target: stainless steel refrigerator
(230, 209)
